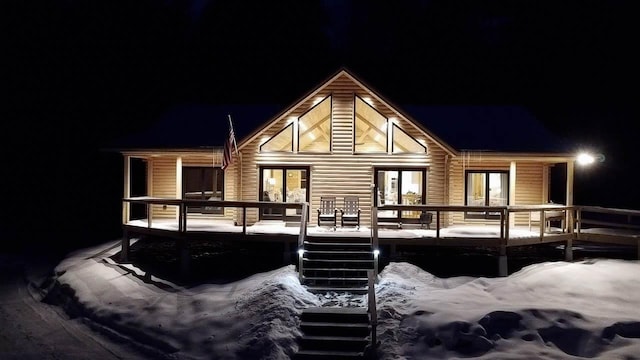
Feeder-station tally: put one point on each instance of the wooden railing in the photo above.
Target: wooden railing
(617, 218)
(183, 206)
(371, 307)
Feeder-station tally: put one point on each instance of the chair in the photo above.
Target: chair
(426, 218)
(350, 213)
(327, 211)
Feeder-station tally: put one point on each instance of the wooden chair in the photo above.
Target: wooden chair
(327, 211)
(350, 213)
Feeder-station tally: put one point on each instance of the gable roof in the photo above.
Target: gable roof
(198, 126)
(507, 129)
(319, 88)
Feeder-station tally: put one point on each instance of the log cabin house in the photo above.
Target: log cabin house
(481, 167)
(344, 139)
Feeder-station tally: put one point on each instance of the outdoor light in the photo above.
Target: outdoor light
(300, 252)
(588, 159)
(376, 252)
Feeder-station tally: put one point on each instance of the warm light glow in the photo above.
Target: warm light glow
(317, 101)
(376, 252)
(368, 100)
(291, 119)
(300, 252)
(272, 181)
(585, 159)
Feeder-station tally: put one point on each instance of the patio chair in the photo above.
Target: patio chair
(426, 218)
(327, 211)
(350, 213)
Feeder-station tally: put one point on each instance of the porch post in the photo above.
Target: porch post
(179, 183)
(126, 206)
(503, 269)
(512, 191)
(569, 213)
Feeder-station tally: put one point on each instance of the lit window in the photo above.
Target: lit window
(314, 128)
(280, 142)
(486, 188)
(404, 143)
(370, 133)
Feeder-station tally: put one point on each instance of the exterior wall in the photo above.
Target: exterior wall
(342, 172)
(163, 177)
(164, 182)
(529, 184)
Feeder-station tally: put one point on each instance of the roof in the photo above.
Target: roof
(500, 128)
(506, 129)
(189, 126)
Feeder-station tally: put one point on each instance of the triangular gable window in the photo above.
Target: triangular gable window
(370, 133)
(280, 142)
(405, 143)
(314, 128)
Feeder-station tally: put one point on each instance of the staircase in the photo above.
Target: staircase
(335, 333)
(336, 264)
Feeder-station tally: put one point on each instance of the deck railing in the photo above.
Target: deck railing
(371, 307)
(183, 206)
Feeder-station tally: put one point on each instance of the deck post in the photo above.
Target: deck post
(638, 249)
(126, 244)
(568, 250)
(437, 224)
(503, 269)
(244, 220)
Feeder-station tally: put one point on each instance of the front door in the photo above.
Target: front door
(283, 184)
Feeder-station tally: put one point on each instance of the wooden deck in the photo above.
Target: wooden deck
(578, 223)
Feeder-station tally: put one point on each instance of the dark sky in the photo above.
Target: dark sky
(81, 73)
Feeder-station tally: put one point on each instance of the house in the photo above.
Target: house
(343, 138)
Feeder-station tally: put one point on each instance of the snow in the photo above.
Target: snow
(551, 310)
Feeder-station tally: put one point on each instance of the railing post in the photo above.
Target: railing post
(374, 238)
(244, 219)
(543, 224)
(437, 224)
(149, 216)
(373, 312)
(502, 224)
(301, 238)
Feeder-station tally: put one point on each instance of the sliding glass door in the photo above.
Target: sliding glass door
(400, 186)
(486, 188)
(283, 184)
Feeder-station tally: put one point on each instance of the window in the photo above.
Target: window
(405, 143)
(370, 132)
(283, 184)
(280, 142)
(486, 188)
(400, 186)
(203, 183)
(314, 128)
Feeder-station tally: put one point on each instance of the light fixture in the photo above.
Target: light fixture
(585, 158)
(300, 252)
(376, 252)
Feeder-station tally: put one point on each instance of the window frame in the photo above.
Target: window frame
(483, 215)
(203, 169)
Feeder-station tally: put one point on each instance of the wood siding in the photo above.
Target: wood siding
(529, 184)
(164, 184)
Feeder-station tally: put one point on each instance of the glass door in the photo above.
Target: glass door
(400, 186)
(283, 184)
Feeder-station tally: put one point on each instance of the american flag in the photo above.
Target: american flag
(227, 157)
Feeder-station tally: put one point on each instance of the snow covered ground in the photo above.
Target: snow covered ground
(551, 310)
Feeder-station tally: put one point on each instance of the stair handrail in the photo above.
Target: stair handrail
(301, 237)
(371, 309)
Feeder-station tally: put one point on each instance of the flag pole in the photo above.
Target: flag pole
(235, 145)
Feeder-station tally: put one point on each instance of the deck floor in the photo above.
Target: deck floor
(407, 232)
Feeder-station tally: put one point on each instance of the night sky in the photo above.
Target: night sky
(81, 74)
